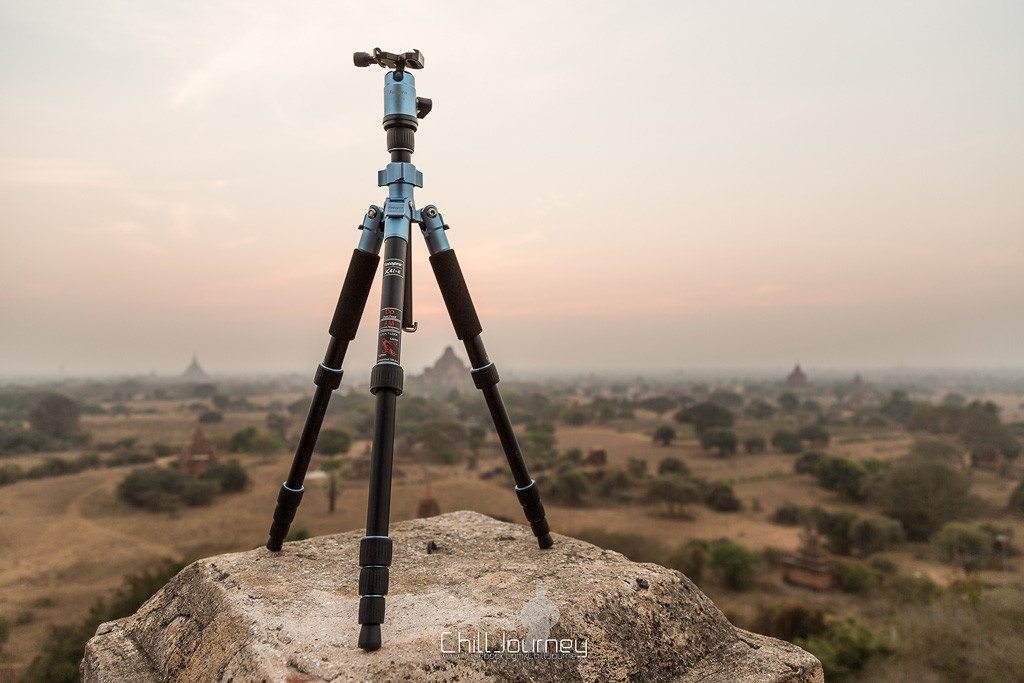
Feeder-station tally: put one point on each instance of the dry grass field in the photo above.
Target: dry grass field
(69, 540)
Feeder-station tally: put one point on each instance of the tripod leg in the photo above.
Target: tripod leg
(386, 382)
(485, 376)
(351, 302)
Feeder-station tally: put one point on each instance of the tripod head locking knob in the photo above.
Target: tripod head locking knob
(390, 60)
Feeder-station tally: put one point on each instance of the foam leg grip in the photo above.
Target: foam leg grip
(456, 295)
(354, 292)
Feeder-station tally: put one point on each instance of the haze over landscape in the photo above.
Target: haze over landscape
(704, 186)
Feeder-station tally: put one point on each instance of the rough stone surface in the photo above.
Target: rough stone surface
(290, 616)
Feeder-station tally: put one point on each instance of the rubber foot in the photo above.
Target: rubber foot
(369, 637)
(545, 541)
(274, 545)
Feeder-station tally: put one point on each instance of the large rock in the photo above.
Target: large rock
(291, 616)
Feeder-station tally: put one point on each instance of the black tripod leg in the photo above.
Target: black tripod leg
(485, 376)
(386, 381)
(327, 378)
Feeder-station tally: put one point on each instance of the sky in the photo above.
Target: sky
(642, 185)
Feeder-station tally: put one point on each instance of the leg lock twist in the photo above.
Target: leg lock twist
(387, 376)
(327, 377)
(485, 377)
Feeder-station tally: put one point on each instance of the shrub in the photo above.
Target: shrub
(333, 441)
(672, 465)
(808, 462)
(706, 416)
(229, 475)
(755, 444)
(614, 485)
(789, 514)
(568, 486)
(734, 565)
(1016, 501)
(159, 488)
(59, 656)
(664, 435)
(855, 578)
(786, 441)
(637, 468)
(720, 497)
(690, 559)
(843, 649)
(816, 435)
(872, 535)
(912, 589)
(210, 417)
(129, 457)
(836, 529)
(789, 621)
(55, 415)
(963, 544)
(634, 546)
(10, 474)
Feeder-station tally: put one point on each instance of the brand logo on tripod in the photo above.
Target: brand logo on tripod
(539, 616)
(394, 267)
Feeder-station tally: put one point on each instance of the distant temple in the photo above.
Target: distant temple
(194, 371)
(809, 566)
(447, 373)
(797, 379)
(198, 457)
(428, 507)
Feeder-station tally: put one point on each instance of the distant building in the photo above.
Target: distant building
(428, 507)
(797, 379)
(809, 566)
(446, 374)
(194, 371)
(198, 456)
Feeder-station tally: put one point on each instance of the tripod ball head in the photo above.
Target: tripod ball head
(390, 60)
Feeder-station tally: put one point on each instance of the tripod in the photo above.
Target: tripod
(391, 227)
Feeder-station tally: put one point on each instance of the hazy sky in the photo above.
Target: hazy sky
(629, 184)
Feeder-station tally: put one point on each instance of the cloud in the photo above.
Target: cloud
(238, 61)
(55, 172)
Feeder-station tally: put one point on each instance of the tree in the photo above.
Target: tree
(808, 462)
(333, 441)
(278, 424)
(816, 435)
(209, 417)
(1016, 501)
(759, 409)
(671, 465)
(664, 435)
(735, 566)
(331, 466)
(721, 498)
(55, 415)
(923, 495)
(755, 444)
(674, 490)
(898, 407)
(568, 486)
(722, 440)
(658, 404)
(789, 402)
(840, 475)
(637, 468)
(690, 559)
(786, 441)
(705, 416)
